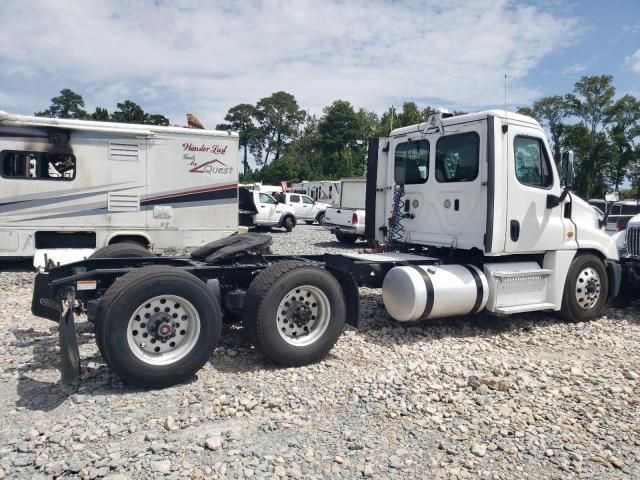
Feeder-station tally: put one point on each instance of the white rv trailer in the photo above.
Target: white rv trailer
(74, 186)
(325, 191)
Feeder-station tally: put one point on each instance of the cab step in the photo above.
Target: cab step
(532, 307)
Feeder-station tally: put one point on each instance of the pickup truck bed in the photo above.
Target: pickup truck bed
(346, 223)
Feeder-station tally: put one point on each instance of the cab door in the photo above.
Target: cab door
(308, 212)
(444, 178)
(531, 179)
(266, 207)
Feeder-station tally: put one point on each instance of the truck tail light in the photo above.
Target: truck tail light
(354, 218)
(619, 226)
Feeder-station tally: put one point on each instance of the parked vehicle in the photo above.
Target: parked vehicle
(347, 220)
(305, 207)
(259, 209)
(326, 191)
(619, 213)
(477, 219)
(68, 187)
(628, 243)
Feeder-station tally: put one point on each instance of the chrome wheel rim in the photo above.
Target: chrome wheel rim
(163, 330)
(303, 315)
(588, 288)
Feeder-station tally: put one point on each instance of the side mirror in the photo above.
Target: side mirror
(612, 196)
(567, 171)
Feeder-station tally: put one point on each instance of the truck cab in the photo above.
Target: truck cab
(484, 186)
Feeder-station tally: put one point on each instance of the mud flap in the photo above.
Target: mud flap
(69, 353)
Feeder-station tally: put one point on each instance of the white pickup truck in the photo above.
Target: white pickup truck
(305, 207)
(346, 221)
(259, 209)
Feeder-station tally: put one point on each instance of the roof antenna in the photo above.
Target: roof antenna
(505, 95)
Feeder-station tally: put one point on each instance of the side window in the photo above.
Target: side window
(307, 200)
(38, 165)
(411, 162)
(264, 198)
(532, 164)
(294, 198)
(458, 158)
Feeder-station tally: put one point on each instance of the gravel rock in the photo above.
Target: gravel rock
(535, 396)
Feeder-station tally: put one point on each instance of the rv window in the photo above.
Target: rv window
(38, 165)
(532, 164)
(458, 158)
(412, 162)
(294, 198)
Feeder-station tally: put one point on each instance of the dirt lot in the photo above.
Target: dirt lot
(476, 397)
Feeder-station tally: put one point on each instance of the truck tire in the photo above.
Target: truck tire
(294, 313)
(309, 222)
(288, 224)
(585, 289)
(346, 237)
(320, 218)
(186, 327)
(122, 250)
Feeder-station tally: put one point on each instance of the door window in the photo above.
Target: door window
(532, 164)
(294, 198)
(264, 198)
(458, 158)
(412, 163)
(307, 200)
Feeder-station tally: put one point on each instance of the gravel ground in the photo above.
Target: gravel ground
(476, 397)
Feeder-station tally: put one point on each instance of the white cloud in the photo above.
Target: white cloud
(203, 56)
(634, 61)
(576, 68)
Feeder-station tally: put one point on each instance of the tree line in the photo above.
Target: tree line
(287, 143)
(602, 130)
(69, 104)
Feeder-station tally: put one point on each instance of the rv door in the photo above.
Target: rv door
(378, 191)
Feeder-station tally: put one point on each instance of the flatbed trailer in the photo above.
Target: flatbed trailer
(221, 282)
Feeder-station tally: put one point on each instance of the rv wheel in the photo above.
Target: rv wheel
(122, 250)
(295, 312)
(585, 289)
(157, 326)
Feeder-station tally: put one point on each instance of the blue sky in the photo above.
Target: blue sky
(205, 56)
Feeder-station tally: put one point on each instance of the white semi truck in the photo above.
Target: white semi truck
(469, 215)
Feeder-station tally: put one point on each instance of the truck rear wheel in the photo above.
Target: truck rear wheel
(346, 237)
(320, 218)
(122, 250)
(157, 326)
(294, 312)
(585, 289)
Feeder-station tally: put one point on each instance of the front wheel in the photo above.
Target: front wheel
(288, 224)
(585, 289)
(294, 312)
(157, 326)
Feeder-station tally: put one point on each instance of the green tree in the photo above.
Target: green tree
(410, 115)
(550, 111)
(625, 128)
(279, 117)
(241, 119)
(66, 105)
(367, 124)
(339, 132)
(591, 102)
(130, 112)
(100, 115)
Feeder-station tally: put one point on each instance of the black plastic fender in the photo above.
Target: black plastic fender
(351, 295)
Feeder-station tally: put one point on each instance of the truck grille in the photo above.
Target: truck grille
(633, 241)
